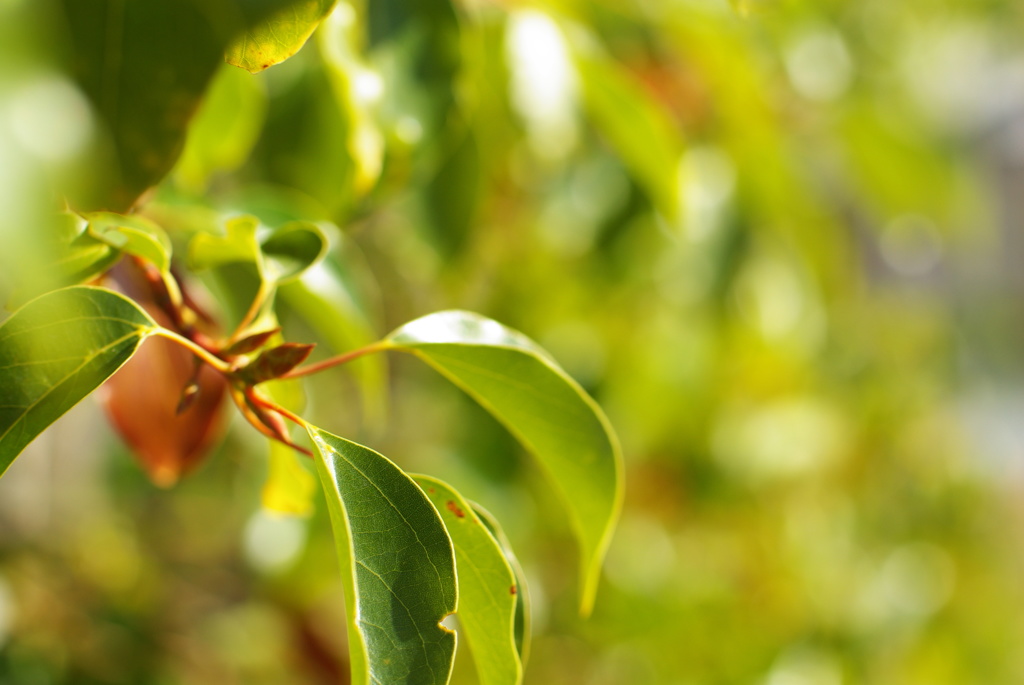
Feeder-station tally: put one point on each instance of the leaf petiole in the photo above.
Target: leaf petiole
(201, 352)
(264, 403)
(265, 416)
(338, 360)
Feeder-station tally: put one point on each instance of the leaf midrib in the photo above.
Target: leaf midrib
(65, 378)
(61, 322)
(323, 444)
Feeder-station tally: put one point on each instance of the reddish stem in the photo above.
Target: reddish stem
(317, 367)
(264, 403)
(254, 407)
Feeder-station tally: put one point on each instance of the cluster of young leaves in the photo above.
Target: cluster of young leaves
(413, 551)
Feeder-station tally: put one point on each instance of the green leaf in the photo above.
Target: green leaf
(79, 256)
(72, 256)
(283, 256)
(134, 235)
(278, 37)
(488, 588)
(144, 67)
(543, 407)
(238, 244)
(57, 349)
(85, 258)
(523, 624)
(224, 129)
(291, 249)
(397, 564)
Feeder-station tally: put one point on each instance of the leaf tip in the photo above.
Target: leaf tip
(164, 476)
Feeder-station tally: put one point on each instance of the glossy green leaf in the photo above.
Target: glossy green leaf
(488, 588)
(543, 407)
(79, 256)
(134, 235)
(397, 566)
(277, 38)
(57, 349)
(523, 622)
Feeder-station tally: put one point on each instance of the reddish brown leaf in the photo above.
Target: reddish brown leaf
(251, 343)
(168, 411)
(142, 402)
(275, 362)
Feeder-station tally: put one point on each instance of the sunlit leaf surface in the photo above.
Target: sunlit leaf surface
(238, 244)
(543, 407)
(278, 37)
(523, 629)
(397, 566)
(134, 235)
(488, 588)
(56, 350)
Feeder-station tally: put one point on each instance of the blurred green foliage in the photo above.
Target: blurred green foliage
(777, 240)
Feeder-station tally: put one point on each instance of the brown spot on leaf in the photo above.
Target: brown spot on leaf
(454, 508)
(512, 590)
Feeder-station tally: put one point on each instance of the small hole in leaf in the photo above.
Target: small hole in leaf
(449, 623)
